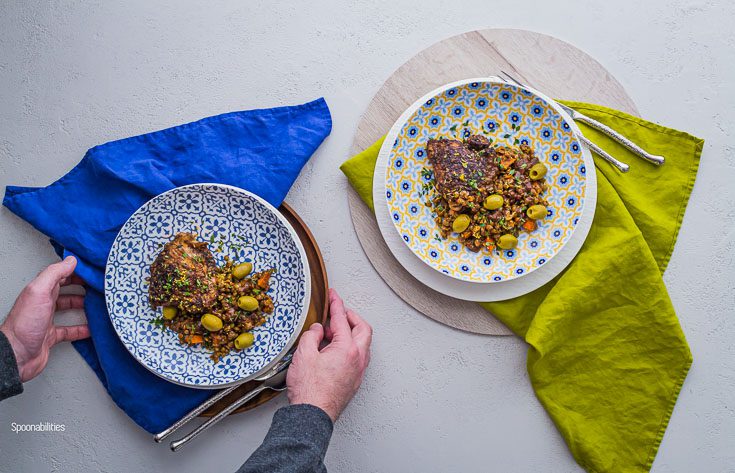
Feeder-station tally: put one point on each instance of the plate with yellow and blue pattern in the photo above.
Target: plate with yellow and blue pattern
(508, 115)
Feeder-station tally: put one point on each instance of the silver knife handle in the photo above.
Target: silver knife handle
(658, 160)
(175, 445)
(194, 412)
(604, 154)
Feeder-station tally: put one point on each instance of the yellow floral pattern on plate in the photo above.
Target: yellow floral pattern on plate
(508, 115)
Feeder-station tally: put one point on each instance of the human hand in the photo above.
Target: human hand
(30, 324)
(329, 378)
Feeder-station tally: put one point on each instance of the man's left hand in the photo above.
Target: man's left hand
(30, 327)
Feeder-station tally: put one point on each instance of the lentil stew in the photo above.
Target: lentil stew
(487, 195)
(216, 307)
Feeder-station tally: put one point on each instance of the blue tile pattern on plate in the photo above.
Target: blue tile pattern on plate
(249, 231)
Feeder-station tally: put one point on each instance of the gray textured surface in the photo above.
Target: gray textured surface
(73, 75)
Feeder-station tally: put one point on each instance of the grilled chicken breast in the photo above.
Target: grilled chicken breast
(460, 169)
(183, 275)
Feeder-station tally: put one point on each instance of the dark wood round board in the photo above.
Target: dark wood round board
(318, 309)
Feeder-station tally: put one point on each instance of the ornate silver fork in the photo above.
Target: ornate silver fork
(159, 437)
(578, 116)
(275, 382)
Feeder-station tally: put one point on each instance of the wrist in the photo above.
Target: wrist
(329, 408)
(15, 345)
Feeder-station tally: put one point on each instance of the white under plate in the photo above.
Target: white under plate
(474, 291)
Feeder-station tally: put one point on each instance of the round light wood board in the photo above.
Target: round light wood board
(548, 64)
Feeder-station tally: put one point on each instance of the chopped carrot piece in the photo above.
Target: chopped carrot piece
(263, 280)
(529, 225)
(506, 161)
(194, 339)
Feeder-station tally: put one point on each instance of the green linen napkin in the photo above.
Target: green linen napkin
(607, 357)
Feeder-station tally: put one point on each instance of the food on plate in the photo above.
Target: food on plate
(493, 202)
(183, 265)
(216, 307)
(248, 303)
(537, 171)
(242, 270)
(486, 194)
(536, 212)
(211, 322)
(507, 241)
(461, 222)
(244, 340)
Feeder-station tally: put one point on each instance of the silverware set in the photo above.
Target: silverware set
(577, 116)
(274, 379)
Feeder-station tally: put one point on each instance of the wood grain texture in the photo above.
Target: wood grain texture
(318, 310)
(550, 65)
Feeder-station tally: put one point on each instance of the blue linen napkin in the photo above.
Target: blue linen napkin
(262, 151)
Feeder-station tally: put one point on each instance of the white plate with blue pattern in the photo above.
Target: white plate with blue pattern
(217, 213)
(463, 289)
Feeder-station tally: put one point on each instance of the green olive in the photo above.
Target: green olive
(248, 303)
(537, 171)
(461, 223)
(536, 212)
(211, 322)
(169, 312)
(507, 242)
(493, 202)
(244, 340)
(242, 270)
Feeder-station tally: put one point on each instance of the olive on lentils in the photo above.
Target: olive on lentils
(537, 171)
(461, 223)
(244, 340)
(493, 202)
(248, 303)
(536, 212)
(211, 322)
(507, 242)
(169, 312)
(242, 270)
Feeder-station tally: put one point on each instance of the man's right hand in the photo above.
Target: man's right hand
(330, 377)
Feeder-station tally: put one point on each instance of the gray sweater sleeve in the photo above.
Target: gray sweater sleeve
(296, 442)
(10, 384)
